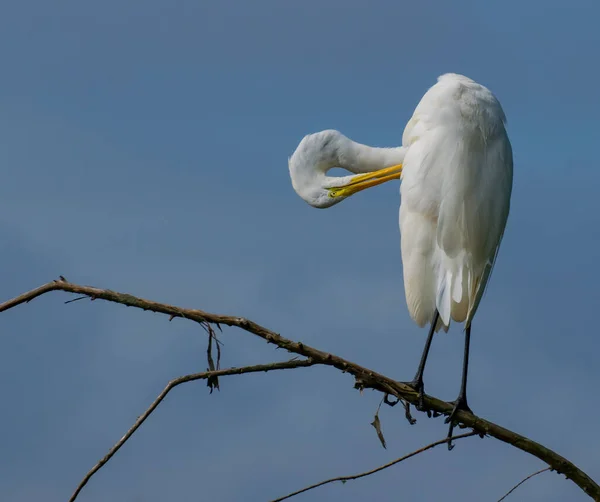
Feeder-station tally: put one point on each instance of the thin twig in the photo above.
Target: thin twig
(365, 377)
(377, 469)
(170, 386)
(523, 481)
(76, 299)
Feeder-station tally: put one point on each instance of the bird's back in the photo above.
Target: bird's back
(455, 198)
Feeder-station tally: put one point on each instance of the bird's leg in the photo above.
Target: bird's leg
(417, 382)
(461, 401)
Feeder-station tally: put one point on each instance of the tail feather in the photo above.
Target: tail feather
(457, 285)
(454, 288)
(443, 299)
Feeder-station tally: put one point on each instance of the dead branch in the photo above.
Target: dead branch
(294, 363)
(377, 469)
(523, 481)
(365, 378)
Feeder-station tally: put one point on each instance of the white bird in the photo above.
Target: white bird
(456, 171)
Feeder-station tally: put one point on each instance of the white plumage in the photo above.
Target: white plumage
(455, 193)
(456, 170)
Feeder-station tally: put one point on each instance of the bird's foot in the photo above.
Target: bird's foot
(419, 387)
(459, 405)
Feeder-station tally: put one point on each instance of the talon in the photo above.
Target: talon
(418, 387)
(459, 405)
(407, 414)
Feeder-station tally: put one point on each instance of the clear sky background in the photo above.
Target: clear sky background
(144, 148)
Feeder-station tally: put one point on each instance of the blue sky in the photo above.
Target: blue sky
(144, 149)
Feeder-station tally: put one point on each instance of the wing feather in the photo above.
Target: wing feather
(457, 175)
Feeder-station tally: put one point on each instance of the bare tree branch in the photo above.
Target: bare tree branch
(377, 469)
(365, 378)
(523, 481)
(294, 363)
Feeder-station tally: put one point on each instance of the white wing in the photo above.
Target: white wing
(457, 181)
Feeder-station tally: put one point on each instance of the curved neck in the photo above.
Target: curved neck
(319, 152)
(358, 158)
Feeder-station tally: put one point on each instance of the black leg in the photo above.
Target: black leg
(461, 401)
(417, 382)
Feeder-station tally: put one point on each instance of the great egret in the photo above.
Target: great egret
(456, 168)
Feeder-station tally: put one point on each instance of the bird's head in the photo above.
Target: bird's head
(318, 153)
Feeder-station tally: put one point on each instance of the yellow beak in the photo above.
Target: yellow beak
(362, 181)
